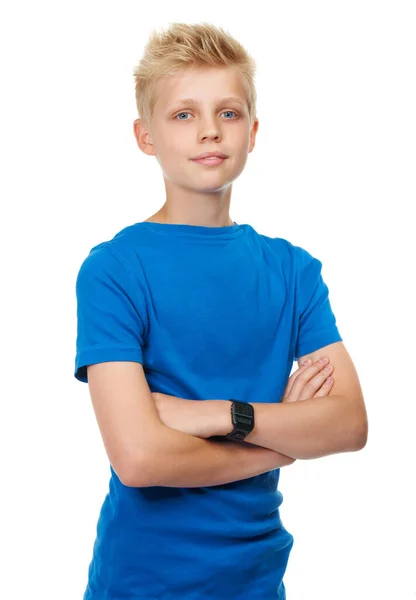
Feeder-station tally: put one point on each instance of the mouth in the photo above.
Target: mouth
(210, 161)
(210, 155)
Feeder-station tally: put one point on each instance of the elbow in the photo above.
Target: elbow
(142, 468)
(127, 479)
(135, 474)
(361, 435)
(126, 473)
(362, 440)
(137, 470)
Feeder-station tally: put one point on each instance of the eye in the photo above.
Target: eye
(187, 113)
(182, 113)
(230, 111)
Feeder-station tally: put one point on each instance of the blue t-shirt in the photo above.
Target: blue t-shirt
(210, 312)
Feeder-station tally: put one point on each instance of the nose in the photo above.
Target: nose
(209, 130)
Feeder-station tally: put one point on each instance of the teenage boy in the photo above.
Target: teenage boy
(188, 327)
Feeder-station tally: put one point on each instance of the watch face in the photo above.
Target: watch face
(245, 410)
(243, 419)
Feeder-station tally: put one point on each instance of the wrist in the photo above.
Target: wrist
(221, 418)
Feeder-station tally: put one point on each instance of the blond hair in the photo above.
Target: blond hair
(183, 46)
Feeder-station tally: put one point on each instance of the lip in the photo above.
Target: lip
(210, 162)
(208, 154)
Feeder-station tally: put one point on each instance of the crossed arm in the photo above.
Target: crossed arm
(303, 430)
(147, 448)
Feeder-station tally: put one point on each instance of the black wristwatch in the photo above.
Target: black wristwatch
(242, 417)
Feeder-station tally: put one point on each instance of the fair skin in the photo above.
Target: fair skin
(198, 194)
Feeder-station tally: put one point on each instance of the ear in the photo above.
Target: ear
(143, 137)
(253, 134)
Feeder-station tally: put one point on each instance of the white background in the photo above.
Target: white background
(333, 171)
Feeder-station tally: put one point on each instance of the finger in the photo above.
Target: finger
(315, 384)
(293, 378)
(323, 391)
(325, 388)
(303, 384)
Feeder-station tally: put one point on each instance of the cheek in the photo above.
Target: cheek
(175, 146)
(237, 140)
(173, 158)
(244, 141)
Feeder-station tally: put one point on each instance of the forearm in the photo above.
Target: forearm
(310, 429)
(182, 460)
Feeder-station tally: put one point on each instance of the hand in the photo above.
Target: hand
(308, 382)
(194, 417)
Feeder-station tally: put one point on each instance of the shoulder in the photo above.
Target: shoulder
(284, 248)
(98, 257)
(124, 248)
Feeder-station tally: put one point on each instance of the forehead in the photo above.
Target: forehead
(201, 85)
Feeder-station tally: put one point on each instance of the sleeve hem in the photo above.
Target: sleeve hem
(97, 355)
(318, 341)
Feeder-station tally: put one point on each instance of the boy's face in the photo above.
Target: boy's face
(180, 131)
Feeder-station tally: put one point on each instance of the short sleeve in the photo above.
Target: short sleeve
(316, 322)
(110, 313)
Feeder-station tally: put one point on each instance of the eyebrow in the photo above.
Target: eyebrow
(192, 101)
